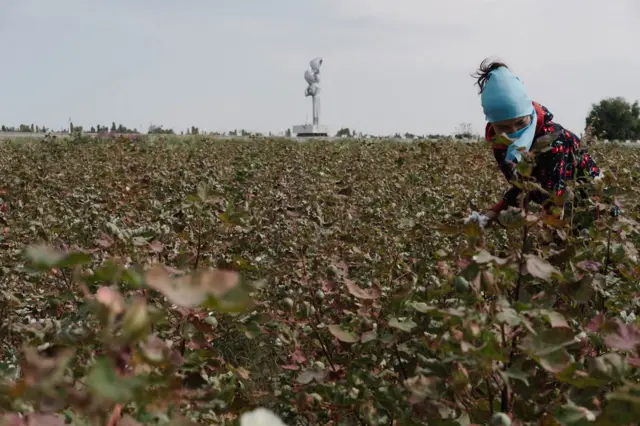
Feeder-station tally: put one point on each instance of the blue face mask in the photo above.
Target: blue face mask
(523, 139)
(519, 133)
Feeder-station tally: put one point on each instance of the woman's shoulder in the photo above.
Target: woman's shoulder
(546, 126)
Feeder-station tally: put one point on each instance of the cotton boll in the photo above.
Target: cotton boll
(260, 417)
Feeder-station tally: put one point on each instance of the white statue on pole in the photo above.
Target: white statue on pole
(312, 77)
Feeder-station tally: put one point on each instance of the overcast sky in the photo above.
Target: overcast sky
(389, 65)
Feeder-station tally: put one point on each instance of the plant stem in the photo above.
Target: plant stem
(195, 266)
(504, 403)
(504, 400)
(397, 353)
(490, 395)
(325, 349)
(66, 280)
(324, 346)
(608, 257)
(516, 291)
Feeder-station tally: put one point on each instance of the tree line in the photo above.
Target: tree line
(24, 128)
(612, 118)
(615, 119)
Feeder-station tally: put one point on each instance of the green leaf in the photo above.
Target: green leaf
(516, 374)
(510, 317)
(43, 257)
(103, 380)
(139, 241)
(203, 192)
(74, 259)
(623, 404)
(136, 324)
(235, 301)
(432, 310)
(342, 334)
(573, 415)
(524, 168)
(133, 278)
(406, 325)
(579, 378)
(369, 336)
(610, 367)
(311, 374)
(555, 319)
(548, 348)
(484, 257)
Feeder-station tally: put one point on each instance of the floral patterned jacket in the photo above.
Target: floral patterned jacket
(554, 167)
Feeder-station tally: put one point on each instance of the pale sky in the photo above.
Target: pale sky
(389, 65)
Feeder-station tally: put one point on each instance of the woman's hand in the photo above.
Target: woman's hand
(483, 219)
(492, 216)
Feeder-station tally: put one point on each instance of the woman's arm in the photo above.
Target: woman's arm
(510, 198)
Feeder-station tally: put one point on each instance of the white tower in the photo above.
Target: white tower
(312, 77)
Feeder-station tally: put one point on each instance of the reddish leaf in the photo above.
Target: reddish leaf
(596, 323)
(156, 247)
(360, 293)
(589, 265)
(627, 337)
(635, 362)
(105, 241)
(291, 367)
(190, 291)
(298, 357)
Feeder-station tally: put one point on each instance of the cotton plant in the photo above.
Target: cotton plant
(628, 318)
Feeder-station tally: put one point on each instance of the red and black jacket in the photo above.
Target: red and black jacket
(553, 167)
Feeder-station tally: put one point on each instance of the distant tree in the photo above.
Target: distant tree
(194, 130)
(113, 126)
(158, 130)
(409, 135)
(287, 133)
(344, 132)
(464, 131)
(615, 119)
(92, 130)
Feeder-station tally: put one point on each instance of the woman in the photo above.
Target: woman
(511, 112)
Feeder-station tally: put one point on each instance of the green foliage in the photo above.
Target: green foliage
(174, 282)
(615, 119)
